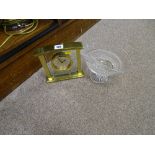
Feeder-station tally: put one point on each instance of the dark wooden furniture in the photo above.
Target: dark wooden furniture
(17, 62)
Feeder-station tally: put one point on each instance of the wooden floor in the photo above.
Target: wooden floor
(22, 65)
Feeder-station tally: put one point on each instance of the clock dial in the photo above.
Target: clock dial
(61, 62)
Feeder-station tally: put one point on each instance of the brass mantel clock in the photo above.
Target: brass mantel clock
(65, 61)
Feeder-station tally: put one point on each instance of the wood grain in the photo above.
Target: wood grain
(19, 39)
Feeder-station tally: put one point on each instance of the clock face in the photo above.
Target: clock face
(61, 62)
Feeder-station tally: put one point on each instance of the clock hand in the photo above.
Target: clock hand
(61, 60)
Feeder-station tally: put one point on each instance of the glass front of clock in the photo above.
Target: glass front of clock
(62, 63)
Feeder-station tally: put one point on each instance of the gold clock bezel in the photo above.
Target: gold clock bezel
(59, 69)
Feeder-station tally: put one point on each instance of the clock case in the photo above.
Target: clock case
(47, 52)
